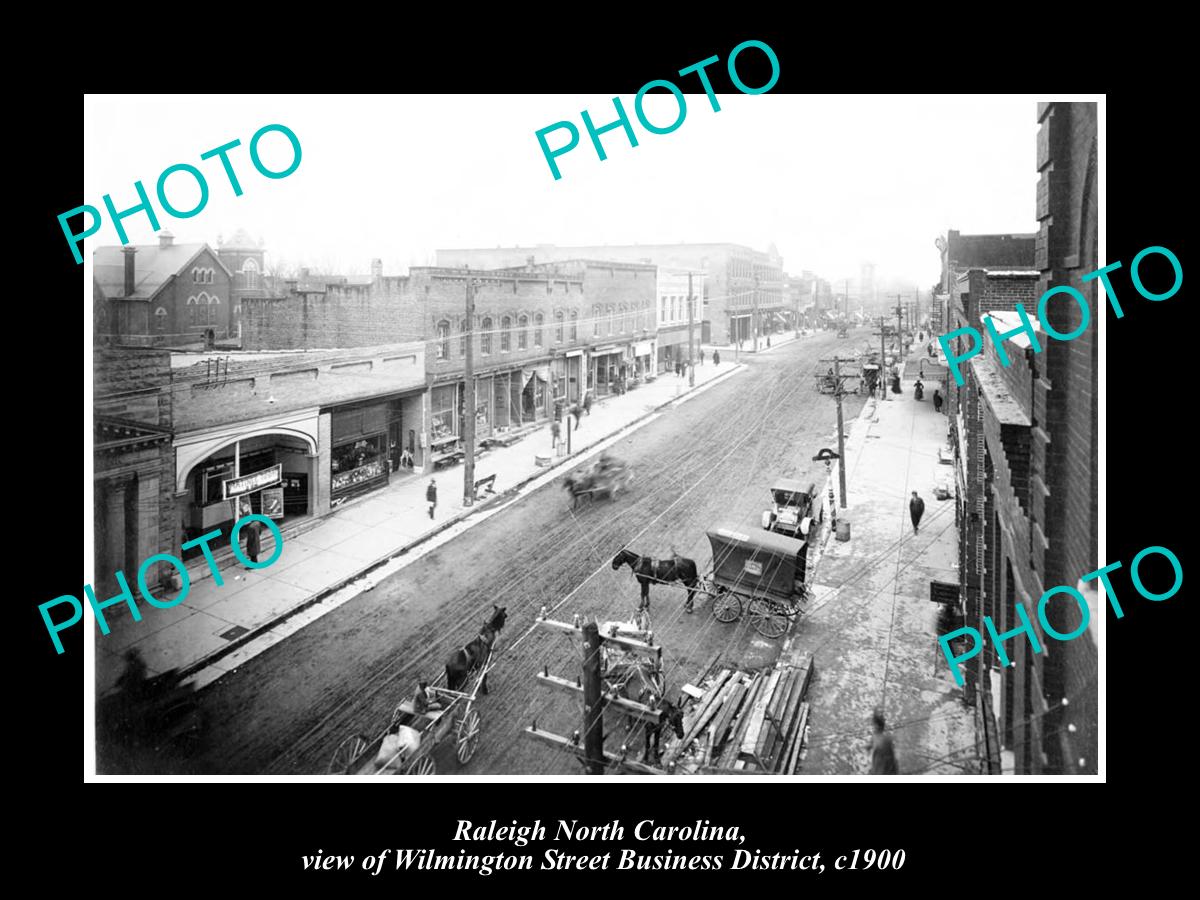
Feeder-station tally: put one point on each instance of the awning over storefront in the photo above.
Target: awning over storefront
(543, 373)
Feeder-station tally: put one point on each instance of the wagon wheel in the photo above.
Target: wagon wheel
(346, 753)
(422, 765)
(727, 606)
(467, 736)
(768, 619)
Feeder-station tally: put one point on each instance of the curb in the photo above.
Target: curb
(496, 500)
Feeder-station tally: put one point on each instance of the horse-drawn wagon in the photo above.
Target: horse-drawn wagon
(760, 572)
(605, 477)
(436, 714)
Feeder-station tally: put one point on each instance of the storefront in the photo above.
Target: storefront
(359, 457)
(643, 360)
(535, 393)
(606, 370)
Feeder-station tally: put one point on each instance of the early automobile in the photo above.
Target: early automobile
(794, 509)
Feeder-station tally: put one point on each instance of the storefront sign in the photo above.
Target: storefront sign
(642, 348)
(256, 481)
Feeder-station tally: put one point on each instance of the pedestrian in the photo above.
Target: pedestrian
(916, 509)
(555, 434)
(587, 403)
(937, 400)
(253, 531)
(883, 750)
(716, 357)
(768, 341)
(431, 496)
(701, 356)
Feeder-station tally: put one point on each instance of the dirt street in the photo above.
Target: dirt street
(707, 462)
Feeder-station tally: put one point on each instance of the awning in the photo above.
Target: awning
(543, 373)
(643, 348)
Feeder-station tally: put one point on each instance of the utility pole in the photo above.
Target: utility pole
(837, 393)
(593, 709)
(691, 334)
(882, 358)
(469, 401)
(899, 329)
(755, 322)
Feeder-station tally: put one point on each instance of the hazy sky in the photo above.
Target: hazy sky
(832, 181)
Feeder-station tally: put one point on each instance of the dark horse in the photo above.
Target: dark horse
(467, 660)
(662, 571)
(639, 684)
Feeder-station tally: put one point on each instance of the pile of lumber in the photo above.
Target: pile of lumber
(744, 722)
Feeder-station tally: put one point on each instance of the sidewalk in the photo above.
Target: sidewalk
(218, 627)
(870, 624)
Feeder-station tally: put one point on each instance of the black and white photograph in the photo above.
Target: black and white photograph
(436, 437)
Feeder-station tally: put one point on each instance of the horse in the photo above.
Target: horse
(464, 662)
(579, 486)
(663, 571)
(637, 683)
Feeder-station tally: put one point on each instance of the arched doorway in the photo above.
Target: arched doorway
(271, 474)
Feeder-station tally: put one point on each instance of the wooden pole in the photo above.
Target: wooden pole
(837, 381)
(593, 710)
(691, 335)
(469, 401)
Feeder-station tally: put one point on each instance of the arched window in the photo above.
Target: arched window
(596, 320)
(160, 320)
(574, 325)
(538, 321)
(558, 327)
(611, 315)
(250, 274)
(485, 336)
(195, 276)
(505, 334)
(522, 332)
(443, 337)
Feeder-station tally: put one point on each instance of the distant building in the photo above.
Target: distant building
(244, 258)
(740, 283)
(164, 295)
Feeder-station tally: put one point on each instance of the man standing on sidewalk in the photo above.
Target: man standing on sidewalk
(883, 750)
(431, 496)
(916, 509)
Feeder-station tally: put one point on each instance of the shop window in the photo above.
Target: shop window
(574, 326)
(522, 332)
(443, 414)
(558, 327)
(443, 339)
(485, 336)
(357, 462)
(505, 334)
(538, 320)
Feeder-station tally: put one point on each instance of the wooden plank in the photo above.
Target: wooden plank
(717, 705)
(702, 714)
(639, 647)
(611, 699)
(729, 708)
(750, 741)
(797, 739)
(709, 667)
(789, 717)
(769, 736)
(692, 691)
(734, 744)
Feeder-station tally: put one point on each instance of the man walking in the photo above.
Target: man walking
(916, 509)
(555, 434)
(883, 751)
(431, 496)
(701, 356)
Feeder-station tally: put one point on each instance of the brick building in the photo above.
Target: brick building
(1026, 438)
(164, 295)
(739, 283)
(289, 434)
(133, 464)
(543, 333)
(676, 338)
(244, 258)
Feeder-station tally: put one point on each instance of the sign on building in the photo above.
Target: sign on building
(256, 481)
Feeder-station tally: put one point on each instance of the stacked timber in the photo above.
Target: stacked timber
(743, 722)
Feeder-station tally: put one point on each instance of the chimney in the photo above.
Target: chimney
(377, 268)
(165, 240)
(129, 269)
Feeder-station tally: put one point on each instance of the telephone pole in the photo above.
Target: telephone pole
(755, 322)
(469, 401)
(837, 393)
(593, 708)
(882, 358)
(691, 334)
(899, 329)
